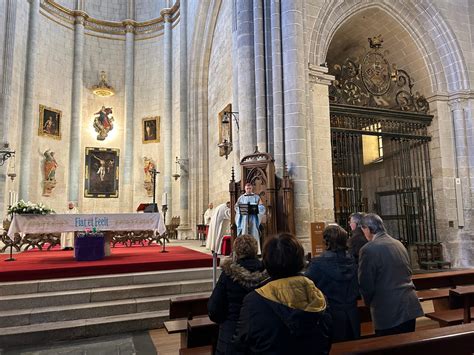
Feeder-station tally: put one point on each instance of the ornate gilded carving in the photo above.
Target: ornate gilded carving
(103, 89)
(371, 81)
(103, 122)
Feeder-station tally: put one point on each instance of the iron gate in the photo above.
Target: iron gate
(381, 164)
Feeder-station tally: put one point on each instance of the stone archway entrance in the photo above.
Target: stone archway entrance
(379, 140)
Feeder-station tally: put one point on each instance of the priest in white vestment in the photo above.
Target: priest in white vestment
(67, 238)
(208, 214)
(249, 223)
(219, 226)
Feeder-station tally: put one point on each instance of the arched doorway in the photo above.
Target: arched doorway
(379, 140)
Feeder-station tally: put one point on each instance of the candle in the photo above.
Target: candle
(10, 198)
(164, 199)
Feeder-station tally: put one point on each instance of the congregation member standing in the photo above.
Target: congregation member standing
(67, 238)
(335, 274)
(357, 239)
(288, 314)
(239, 276)
(385, 280)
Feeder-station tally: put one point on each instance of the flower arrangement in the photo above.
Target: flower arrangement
(22, 207)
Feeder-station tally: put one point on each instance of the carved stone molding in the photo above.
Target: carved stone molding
(319, 75)
(110, 27)
(457, 104)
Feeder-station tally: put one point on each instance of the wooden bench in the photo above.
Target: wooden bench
(443, 279)
(201, 350)
(463, 299)
(457, 340)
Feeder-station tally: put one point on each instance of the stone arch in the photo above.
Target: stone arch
(199, 58)
(429, 30)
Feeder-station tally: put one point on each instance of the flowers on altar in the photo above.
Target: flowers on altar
(22, 207)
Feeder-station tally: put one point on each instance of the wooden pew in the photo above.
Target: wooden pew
(442, 279)
(457, 340)
(464, 296)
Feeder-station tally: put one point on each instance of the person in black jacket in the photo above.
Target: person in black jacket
(238, 278)
(357, 239)
(335, 274)
(288, 314)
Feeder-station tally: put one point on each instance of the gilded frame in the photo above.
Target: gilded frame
(151, 129)
(49, 124)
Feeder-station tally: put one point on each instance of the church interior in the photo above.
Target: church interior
(113, 108)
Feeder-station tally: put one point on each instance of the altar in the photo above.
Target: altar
(59, 223)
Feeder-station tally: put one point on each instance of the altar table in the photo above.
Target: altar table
(59, 223)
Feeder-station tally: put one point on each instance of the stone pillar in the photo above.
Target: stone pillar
(267, 24)
(29, 110)
(260, 105)
(5, 89)
(184, 230)
(168, 112)
(295, 124)
(75, 156)
(235, 91)
(321, 155)
(277, 79)
(128, 166)
(246, 77)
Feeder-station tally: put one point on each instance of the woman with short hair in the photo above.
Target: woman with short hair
(239, 276)
(288, 314)
(335, 273)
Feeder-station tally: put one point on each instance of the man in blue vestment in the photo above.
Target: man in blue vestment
(249, 209)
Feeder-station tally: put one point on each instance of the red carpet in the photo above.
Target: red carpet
(53, 264)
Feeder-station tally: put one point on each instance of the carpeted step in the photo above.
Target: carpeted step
(50, 299)
(29, 316)
(84, 328)
(78, 283)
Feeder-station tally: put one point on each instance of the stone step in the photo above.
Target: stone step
(83, 328)
(29, 316)
(78, 283)
(101, 294)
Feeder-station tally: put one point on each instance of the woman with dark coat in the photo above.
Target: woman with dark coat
(238, 278)
(335, 274)
(288, 314)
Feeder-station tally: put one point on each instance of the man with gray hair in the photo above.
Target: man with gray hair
(357, 239)
(385, 280)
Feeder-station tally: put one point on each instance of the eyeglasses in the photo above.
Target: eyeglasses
(364, 227)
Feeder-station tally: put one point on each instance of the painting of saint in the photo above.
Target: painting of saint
(151, 129)
(49, 122)
(102, 173)
(103, 122)
(49, 170)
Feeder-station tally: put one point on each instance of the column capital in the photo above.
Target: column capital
(129, 25)
(166, 13)
(319, 75)
(80, 17)
(457, 104)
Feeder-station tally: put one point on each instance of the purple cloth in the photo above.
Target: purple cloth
(89, 248)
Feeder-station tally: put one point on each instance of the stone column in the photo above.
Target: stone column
(29, 109)
(75, 156)
(5, 89)
(235, 91)
(321, 155)
(277, 79)
(246, 77)
(184, 230)
(295, 123)
(128, 166)
(168, 112)
(260, 104)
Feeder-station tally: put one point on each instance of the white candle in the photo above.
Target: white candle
(10, 198)
(164, 199)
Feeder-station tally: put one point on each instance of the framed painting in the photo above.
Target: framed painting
(49, 122)
(151, 129)
(101, 172)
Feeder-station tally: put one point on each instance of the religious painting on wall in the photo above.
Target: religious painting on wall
(103, 122)
(49, 122)
(49, 169)
(148, 167)
(151, 129)
(101, 172)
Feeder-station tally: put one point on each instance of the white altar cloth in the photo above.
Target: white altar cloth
(57, 223)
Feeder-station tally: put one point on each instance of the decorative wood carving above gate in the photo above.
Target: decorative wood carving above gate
(276, 193)
(371, 81)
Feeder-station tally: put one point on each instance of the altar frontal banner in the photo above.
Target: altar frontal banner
(57, 223)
